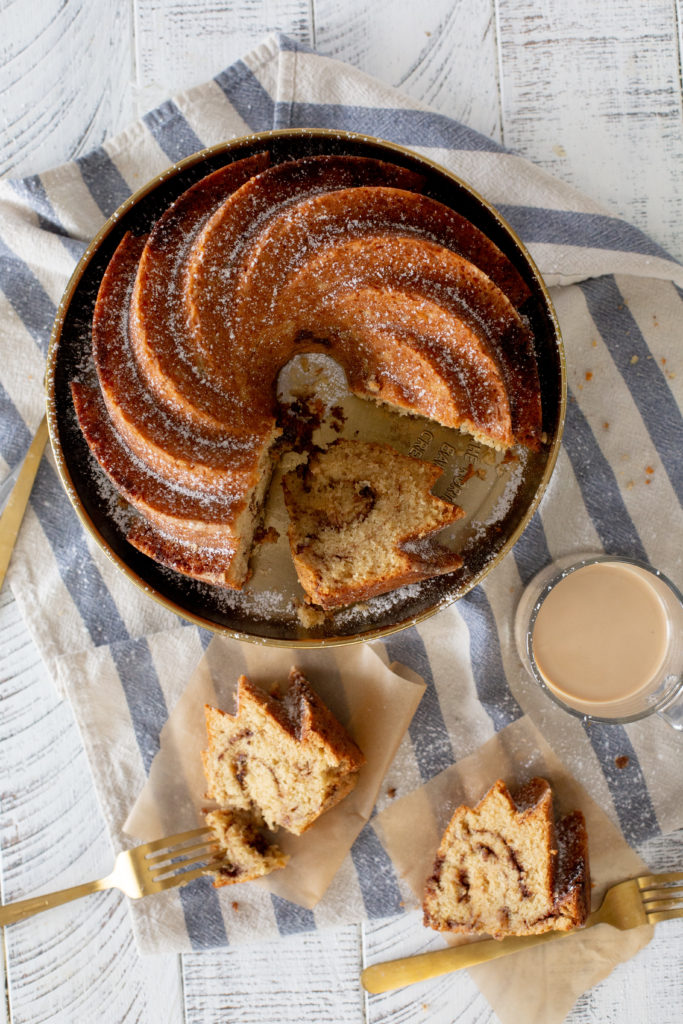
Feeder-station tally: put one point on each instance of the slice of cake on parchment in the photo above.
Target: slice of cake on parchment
(284, 758)
(505, 867)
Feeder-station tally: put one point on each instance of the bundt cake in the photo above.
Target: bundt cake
(285, 758)
(505, 868)
(243, 851)
(363, 521)
(254, 264)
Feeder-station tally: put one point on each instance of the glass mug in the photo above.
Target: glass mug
(603, 637)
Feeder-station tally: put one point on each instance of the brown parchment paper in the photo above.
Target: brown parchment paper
(539, 986)
(372, 702)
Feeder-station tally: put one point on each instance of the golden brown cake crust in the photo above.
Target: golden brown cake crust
(572, 870)
(505, 868)
(254, 264)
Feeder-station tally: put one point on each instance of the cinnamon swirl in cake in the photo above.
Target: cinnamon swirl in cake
(254, 264)
(363, 521)
(284, 759)
(505, 867)
(243, 850)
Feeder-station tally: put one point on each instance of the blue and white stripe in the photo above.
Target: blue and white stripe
(623, 444)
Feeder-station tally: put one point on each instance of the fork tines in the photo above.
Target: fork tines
(662, 896)
(171, 858)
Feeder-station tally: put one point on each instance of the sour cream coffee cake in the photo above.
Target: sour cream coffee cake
(510, 866)
(259, 262)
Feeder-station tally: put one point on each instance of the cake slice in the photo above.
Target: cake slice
(505, 868)
(244, 852)
(363, 521)
(285, 758)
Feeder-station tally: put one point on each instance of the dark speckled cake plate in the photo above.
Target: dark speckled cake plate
(499, 495)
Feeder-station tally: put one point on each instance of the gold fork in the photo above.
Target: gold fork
(643, 900)
(142, 871)
(21, 483)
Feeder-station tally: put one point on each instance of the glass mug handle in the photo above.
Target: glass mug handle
(672, 713)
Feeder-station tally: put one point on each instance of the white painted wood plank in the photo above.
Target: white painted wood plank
(593, 94)
(181, 43)
(78, 963)
(301, 978)
(65, 79)
(446, 1000)
(442, 53)
(646, 990)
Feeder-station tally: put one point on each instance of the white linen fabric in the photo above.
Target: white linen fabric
(123, 660)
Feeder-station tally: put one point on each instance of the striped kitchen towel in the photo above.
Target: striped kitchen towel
(124, 660)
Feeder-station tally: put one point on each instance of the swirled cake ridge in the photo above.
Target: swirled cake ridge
(252, 265)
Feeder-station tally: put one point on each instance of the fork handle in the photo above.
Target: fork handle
(12, 516)
(397, 973)
(12, 912)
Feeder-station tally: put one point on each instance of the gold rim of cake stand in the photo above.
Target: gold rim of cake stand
(225, 147)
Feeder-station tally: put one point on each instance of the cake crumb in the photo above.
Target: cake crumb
(243, 852)
(269, 536)
(310, 615)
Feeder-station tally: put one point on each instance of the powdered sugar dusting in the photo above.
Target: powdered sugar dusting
(363, 284)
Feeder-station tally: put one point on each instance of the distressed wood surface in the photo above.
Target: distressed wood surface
(301, 978)
(179, 43)
(66, 77)
(443, 53)
(593, 93)
(77, 963)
